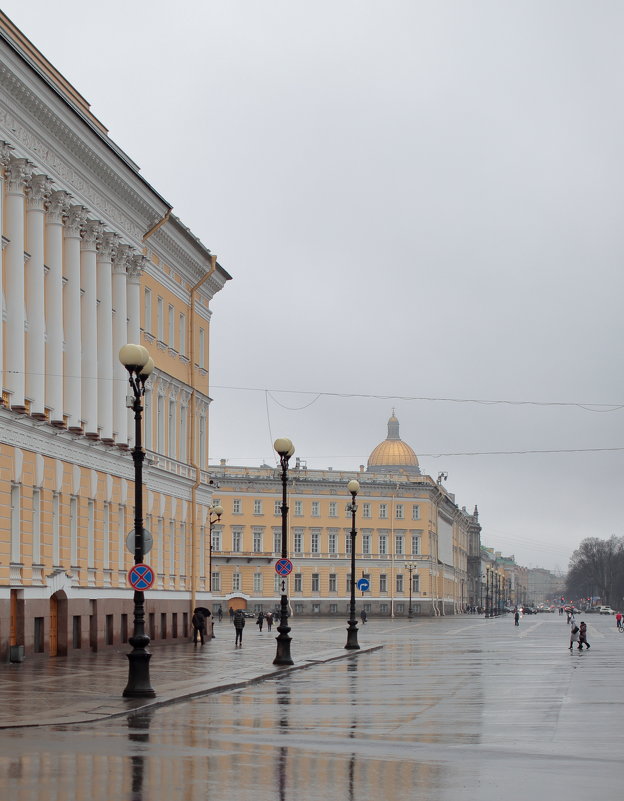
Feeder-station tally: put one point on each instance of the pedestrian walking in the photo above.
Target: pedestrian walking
(260, 621)
(238, 618)
(583, 636)
(220, 613)
(574, 635)
(269, 620)
(517, 617)
(618, 620)
(199, 626)
(363, 615)
(231, 611)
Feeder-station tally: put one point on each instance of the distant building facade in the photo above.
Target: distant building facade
(92, 258)
(412, 538)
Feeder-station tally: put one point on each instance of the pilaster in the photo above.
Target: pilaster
(72, 388)
(107, 249)
(91, 234)
(58, 205)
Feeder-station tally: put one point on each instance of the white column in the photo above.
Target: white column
(57, 208)
(88, 327)
(71, 317)
(17, 173)
(37, 191)
(120, 337)
(5, 154)
(105, 353)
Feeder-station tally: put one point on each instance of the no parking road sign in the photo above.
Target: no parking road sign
(141, 577)
(283, 567)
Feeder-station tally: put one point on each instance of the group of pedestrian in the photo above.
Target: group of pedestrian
(262, 617)
(578, 634)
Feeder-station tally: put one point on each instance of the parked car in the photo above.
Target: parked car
(606, 610)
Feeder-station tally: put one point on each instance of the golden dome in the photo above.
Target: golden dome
(393, 455)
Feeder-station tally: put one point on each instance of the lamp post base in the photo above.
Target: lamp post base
(352, 636)
(138, 676)
(283, 657)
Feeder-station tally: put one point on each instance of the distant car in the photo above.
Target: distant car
(606, 610)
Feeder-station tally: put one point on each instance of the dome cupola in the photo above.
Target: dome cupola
(393, 455)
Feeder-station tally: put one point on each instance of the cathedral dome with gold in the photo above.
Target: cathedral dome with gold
(393, 455)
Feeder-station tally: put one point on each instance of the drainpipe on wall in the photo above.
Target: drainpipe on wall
(191, 444)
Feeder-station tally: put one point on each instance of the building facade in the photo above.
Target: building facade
(412, 540)
(92, 258)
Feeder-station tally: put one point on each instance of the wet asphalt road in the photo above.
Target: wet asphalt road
(459, 708)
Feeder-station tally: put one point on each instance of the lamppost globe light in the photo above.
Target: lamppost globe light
(147, 368)
(353, 486)
(284, 447)
(217, 510)
(133, 357)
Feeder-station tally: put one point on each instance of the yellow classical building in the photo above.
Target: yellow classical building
(412, 540)
(92, 258)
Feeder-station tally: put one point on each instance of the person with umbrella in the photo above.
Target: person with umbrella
(199, 621)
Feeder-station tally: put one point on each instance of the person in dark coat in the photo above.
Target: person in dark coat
(269, 620)
(583, 636)
(239, 625)
(364, 616)
(517, 617)
(199, 626)
(260, 620)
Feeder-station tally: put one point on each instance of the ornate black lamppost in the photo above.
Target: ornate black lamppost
(352, 636)
(411, 567)
(285, 450)
(139, 365)
(487, 592)
(214, 515)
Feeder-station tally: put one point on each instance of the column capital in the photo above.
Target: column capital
(76, 219)
(107, 245)
(38, 191)
(5, 155)
(123, 255)
(58, 204)
(136, 265)
(91, 234)
(17, 172)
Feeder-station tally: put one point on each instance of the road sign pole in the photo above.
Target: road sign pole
(352, 632)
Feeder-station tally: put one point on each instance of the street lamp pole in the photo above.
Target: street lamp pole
(285, 450)
(138, 363)
(352, 632)
(214, 515)
(411, 567)
(487, 592)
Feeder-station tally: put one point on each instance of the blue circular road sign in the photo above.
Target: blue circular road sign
(363, 584)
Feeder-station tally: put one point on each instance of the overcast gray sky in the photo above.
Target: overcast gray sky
(415, 200)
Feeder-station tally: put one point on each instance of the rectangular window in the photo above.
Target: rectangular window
(73, 530)
(106, 537)
(257, 540)
(366, 510)
(172, 543)
(383, 544)
(399, 511)
(76, 631)
(349, 582)
(215, 581)
(202, 348)
(36, 525)
(160, 543)
(56, 525)
(182, 335)
(298, 582)
(415, 582)
(147, 310)
(257, 507)
(333, 509)
(415, 512)
(333, 609)
(316, 536)
(365, 543)
(216, 539)
(109, 630)
(399, 582)
(124, 627)
(332, 543)
(160, 424)
(171, 327)
(398, 544)
(316, 509)
(347, 543)
(383, 510)
(171, 424)
(236, 506)
(277, 508)
(160, 319)
(298, 540)
(298, 508)
(333, 584)
(16, 524)
(316, 582)
(383, 583)
(39, 640)
(415, 544)
(182, 562)
(277, 541)
(257, 582)
(237, 536)
(277, 584)
(236, 582)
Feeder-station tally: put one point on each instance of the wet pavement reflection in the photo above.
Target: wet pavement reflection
(461, 709)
